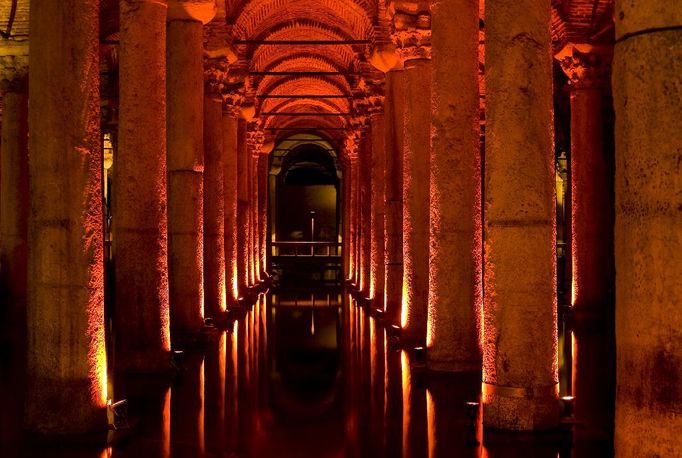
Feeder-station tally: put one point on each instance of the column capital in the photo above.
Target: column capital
(587, 66)
(411, 30)
(255, 139)
(192, 10)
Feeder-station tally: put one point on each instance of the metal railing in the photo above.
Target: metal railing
(306, 249)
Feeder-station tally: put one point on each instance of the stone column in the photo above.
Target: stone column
(365, 211)
(14, 201)
(345, 219)
(66, 356)
(413, 37)
(647, 89)
(255, 217)
(185, 167)
(352, 154)
(230, 146)
(592, 218)
(263, 165)
(393, 219)
(520, 380)
(378, 202)
(215, 285)
(242, 207)
(455, 264)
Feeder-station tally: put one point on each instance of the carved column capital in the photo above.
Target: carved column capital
(412, 34)
(587, 66)
(255, 139)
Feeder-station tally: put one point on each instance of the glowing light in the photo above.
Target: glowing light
(404, 305)
(431, 423)
(166, 426)
(407, 394)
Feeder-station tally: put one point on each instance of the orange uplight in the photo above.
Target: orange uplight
(431, 423)
(165, 441)
(404, 305)
(407, 394)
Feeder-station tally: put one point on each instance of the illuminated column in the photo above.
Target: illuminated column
(393, 220)
(255, 217)
(230, 146)
(413, 38)
(352, 152)
(242, 207)
(365, 213)
(647, 90)
(255, 142)
(215, 286)
(378, 202)
(66, 355)
(14, 203)
(592, 217)
(455, 262)
(139, 224)
(345, 186)
(263, 165)
(520, 380)
(185, 92)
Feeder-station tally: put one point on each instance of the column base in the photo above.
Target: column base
(520, 409)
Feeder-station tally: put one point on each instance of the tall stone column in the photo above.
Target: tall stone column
(352, 153)
(231, 189)
(393, 219)
(647, 89)
(66, 354)
(215, 283)
(185, 92)
(365, 212)
(413, 37)
(592, 217)
(263, 163)
(139, 205)
(520, 380)
(455, 264)
(345, 221)
(255, 142)
(14, 201)
(255, 217)
(242, 207)
(378, 202)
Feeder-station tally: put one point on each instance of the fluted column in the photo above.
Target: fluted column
(378, 202)
(647, 89)
(413, 37)
(185, 168)
(455, 264)
(393, 219)
(66, 355)
(592, 217)
(520, 380)
(215, 284)
(14, 201)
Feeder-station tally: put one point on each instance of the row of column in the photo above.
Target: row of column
(184, 177)
(478, 284)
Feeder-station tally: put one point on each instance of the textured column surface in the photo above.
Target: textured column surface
(455, 262)
(345, 222)
(376, 287)
(215, 286)
(263, 165)
(366, 220)
(185, 176)
(592, 215)
(66, 355)
(14, 209)
(251, 218)
(230, 126)
(140, 239)
(242, 207)
(416, 151)
(647, 89)
(255, 215)
(393, 219)
(355, 201)
(520, 380)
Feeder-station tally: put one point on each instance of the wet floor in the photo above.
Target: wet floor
(313, 375)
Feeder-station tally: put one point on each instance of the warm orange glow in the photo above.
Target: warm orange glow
(200, 420)
(407, 395)
(574, 362)
(404, 305)
(431, 423)
(165, 441)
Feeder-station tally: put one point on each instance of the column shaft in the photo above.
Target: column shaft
(378, 205)
(14, 210)
(366, 221)
(393, 219)
(355, 220)
(520, 381)
(215, 285)
(139, 203)
(455, 264)
(230, 146)
(647, 89)
(185, 176)
(255, 215)
(243, 207)
(66, 355)
(416, 152)
(263, 162)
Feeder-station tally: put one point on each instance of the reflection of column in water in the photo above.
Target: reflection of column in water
(215, 382)
(364, 371)
(351, 367)
(393, 401)
(414, 411)
(187, 406)
(232, 388)
(165, 436)
(377, 338)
